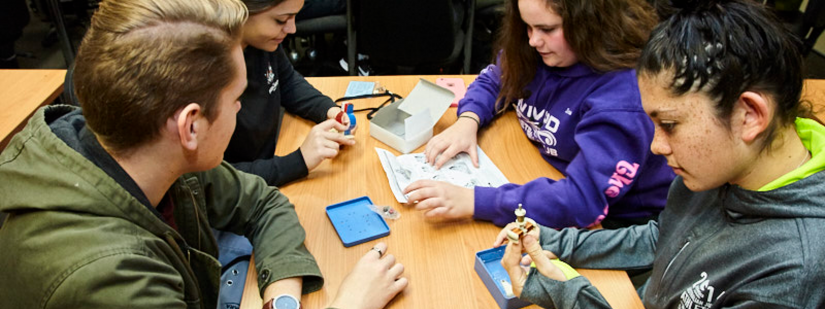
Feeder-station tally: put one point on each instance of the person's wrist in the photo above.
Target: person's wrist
(335, 304)
(305, 156)
(333, 111)
(283, 301)
(341, 301)
(469, 196)
(470, 117)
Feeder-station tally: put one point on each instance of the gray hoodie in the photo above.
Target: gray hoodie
(722, 248)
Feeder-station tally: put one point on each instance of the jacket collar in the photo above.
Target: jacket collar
(42, 162)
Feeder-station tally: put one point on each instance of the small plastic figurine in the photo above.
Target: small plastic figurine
(347, 118)
(525, 225)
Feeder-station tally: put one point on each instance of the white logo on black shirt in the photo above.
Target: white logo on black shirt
(270, 77)
(273, 87)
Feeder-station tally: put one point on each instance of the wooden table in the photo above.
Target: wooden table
(814, 92)
(21, 93)
(438, 257)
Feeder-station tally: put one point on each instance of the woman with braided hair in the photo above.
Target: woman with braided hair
(721, 81)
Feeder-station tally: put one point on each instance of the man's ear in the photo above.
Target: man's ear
(753, 113)
(188, 126)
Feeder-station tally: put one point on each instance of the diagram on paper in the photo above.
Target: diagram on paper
(405, 169)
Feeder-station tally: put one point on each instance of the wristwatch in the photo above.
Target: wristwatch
(283, 301)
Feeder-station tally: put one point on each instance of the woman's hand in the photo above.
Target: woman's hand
(373, 282)
(462, 136)
(441, 200)
(333, 111)
(514, 264)
(502, 235)
(321, 144)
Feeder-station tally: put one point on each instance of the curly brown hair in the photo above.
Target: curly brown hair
(607, 35)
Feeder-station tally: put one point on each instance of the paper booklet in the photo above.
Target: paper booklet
(405, 169)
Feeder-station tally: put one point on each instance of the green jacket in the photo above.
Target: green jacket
(74, 238)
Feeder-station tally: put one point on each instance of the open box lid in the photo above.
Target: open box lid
(427, 95)
(408, 123)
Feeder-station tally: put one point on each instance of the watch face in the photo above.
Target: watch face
(286, 302)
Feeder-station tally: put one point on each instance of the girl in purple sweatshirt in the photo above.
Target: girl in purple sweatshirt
(566, 68)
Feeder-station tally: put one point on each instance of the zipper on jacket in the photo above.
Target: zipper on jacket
(687, 242)
(170, 239)
(669, 264)
(197, 214)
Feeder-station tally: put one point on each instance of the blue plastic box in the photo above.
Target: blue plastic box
(355, 222)
(489, 269)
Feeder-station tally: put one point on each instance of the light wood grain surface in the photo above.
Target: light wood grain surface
(814, 92)
(438, 257)
(21, 93)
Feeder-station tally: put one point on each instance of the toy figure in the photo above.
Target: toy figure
(525, 225)
(347, 117)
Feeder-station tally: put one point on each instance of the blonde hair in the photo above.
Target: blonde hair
(142, 60)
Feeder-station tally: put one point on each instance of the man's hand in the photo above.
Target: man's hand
(373, 282)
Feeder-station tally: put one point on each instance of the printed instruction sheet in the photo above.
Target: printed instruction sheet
(405, 169)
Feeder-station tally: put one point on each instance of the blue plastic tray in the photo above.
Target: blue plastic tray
(355, 222)
(489, 269)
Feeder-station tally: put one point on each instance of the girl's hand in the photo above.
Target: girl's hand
(441, 200)
(518, 272)
(462, 136)
(321, 144)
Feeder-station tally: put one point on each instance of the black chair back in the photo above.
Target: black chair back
(411, 33)
(811, 25)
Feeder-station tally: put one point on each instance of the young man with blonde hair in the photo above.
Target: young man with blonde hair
(113, 206)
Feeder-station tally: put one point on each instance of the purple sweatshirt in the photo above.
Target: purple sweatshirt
(592, 128)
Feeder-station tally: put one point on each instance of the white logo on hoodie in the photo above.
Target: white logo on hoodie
(700, 295)
(539, 125)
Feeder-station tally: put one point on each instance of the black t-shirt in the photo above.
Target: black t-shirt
(273, 84)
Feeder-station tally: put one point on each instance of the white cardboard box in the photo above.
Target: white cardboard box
(408, 123)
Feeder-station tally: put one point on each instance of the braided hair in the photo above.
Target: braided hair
(724, 48)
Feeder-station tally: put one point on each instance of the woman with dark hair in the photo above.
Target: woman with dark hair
(721, 81)
(274, 84)
(567, 67)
